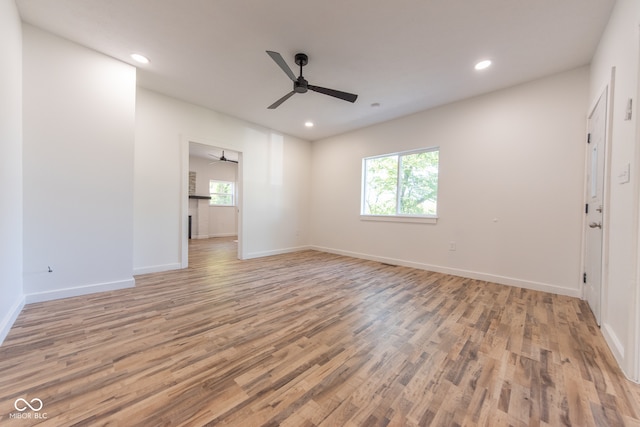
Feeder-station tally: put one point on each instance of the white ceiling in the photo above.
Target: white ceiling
(406, 55)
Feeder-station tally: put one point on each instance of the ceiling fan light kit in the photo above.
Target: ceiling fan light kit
(300, 84)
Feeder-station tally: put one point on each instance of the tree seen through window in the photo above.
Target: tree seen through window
(401, 184)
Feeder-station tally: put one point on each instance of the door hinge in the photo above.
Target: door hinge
(588, 138)
(586, 208)
(584, 277)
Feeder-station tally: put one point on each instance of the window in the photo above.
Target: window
(401, 184)
(222, 193)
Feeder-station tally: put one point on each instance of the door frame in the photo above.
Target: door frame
(606, 94)
(184, 195)
(634, 330)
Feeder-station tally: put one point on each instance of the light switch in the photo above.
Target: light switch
(624, 175)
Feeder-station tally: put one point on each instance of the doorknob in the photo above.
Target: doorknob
(595, 225)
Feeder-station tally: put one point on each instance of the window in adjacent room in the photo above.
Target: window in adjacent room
(222, 193)
(401, 184)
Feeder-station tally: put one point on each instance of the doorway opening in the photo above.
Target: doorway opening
(211, 193)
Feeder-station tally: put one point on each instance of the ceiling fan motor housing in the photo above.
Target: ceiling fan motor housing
(301, 85)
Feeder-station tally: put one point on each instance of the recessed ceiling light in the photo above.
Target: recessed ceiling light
(483, 64)
(140, 58)
(308, 124)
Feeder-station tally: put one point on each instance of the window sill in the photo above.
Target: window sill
(409, 219)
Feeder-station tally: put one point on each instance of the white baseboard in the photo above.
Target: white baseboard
(80, 290)
(509, 281)
(157, 268)
(10, 318)
(276, 252)
(614, 343)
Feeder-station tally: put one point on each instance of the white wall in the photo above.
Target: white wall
(79, 112)
(510, 187)
(620, 309)
(11, 298)
(274, 173)
(221, 221)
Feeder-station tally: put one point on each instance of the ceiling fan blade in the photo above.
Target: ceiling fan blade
(224, 159)
(335, 93)
(280, 61)
(281, 100)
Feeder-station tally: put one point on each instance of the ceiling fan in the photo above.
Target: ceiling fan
(300, 84)
(222, 158)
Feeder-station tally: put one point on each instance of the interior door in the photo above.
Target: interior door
(595, 205)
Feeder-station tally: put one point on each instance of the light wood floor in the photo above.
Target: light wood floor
(312, 339)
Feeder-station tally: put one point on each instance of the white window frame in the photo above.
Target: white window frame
(232, 194)
(425, 219)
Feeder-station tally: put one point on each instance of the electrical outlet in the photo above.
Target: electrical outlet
(452, 246)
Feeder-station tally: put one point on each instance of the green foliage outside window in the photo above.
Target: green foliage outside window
(401, 184)
(221, 193)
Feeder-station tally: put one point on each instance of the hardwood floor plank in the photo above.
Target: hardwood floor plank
(312, 339)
